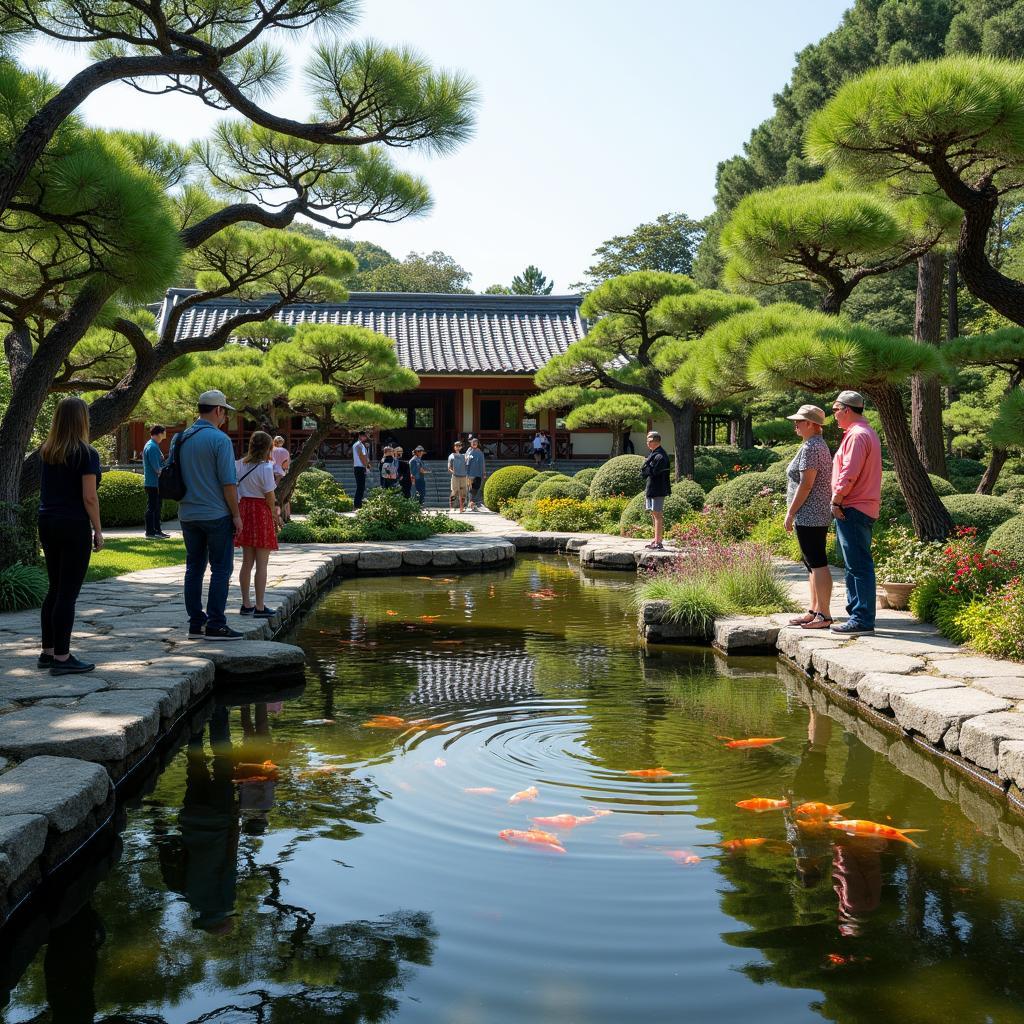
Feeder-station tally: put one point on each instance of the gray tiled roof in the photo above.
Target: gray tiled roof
(433, 333)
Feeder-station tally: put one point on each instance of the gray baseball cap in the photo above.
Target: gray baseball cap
(214, 398)
(854, 399)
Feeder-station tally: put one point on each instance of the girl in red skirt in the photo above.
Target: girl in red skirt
(260, 521)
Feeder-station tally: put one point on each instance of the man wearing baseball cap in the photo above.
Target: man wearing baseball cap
(856, 503)
(209, 516)
(418, 473)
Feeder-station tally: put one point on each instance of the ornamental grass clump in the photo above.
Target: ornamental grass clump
(714, 579)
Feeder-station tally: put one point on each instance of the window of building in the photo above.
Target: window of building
(490, 414)
(512, 414)
(423, 418)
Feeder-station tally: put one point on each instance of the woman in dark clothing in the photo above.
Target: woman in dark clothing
(404, 473)
(69, 528)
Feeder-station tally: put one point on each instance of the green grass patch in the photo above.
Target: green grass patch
(130, 554)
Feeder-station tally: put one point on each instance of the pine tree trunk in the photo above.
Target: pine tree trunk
(930, 518)
(682, 434)
(616, 448)
(747, 430)
(301, 461)
(925, 391)
(995, 466)
(952, 301)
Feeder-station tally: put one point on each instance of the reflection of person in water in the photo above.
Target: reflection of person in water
(256, 796)
(69, 967)
(209, 830)
(811, 846)
(857, 880)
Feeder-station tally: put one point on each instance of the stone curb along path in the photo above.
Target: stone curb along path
(65, 742)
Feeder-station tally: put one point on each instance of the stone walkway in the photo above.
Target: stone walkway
(66, 741)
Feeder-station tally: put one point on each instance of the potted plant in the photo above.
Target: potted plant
(901, 562)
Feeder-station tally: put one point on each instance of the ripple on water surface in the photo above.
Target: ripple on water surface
(364, 878)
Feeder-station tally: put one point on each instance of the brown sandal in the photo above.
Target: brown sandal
(819, 622)
(802, 620)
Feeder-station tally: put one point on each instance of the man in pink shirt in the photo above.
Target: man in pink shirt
(856, 500)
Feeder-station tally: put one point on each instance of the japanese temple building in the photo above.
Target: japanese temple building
(475, 356)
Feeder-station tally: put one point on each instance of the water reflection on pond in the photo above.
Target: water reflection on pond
(359, 875)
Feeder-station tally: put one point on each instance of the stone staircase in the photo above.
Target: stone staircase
(438, 486)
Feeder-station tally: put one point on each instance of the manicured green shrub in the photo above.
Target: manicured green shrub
(943, 487)
(527, 489)
(439, 522)
(691, 492)
(706, 471)
(620, 475)
(22, 586)
(122, 497)
(964, 468)
(320, 517)
(316, 488)
(1008, 482)
(1008, 538)
(983, 511)
(21, 544)
(557, 487)
(995, 624)
(894, 505)
(168, 510)
(634, 515)
(585, 476)
(505, 484)
(295, 533)
(744, 489)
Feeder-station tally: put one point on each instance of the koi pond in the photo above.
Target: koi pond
(339, 851)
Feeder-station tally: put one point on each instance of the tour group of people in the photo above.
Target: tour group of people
(822, 488)
(231, 503)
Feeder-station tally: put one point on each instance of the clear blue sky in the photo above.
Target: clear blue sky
(596, 115)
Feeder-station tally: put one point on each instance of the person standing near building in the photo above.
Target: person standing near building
(538, 448)
(856, 502)
(260, 522)
(281, 460)
(476, 468)
(69, 529)
(404, 473)
(655, 471)
(360, 464)
(152, 464)
(419, 473)
(388, 468)
(209, 516)
(459, 476)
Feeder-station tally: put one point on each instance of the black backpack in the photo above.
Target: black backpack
(172, 482)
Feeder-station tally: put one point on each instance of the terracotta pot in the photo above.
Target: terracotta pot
(897, 595)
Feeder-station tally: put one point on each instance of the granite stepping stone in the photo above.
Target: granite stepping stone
(938, 714)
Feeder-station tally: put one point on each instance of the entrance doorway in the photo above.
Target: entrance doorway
(429, 421)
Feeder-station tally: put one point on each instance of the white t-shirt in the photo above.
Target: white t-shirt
(358, 449)
(258, 482)
(538, 442)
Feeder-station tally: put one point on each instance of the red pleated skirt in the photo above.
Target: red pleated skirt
(257, 525)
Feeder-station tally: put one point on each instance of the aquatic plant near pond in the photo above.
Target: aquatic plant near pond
(712, 579)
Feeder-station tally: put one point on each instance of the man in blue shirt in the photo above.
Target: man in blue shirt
(152, 463)
(209, 516)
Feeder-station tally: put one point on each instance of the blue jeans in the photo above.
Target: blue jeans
(208, 542)
(854, 536)
(421, 489)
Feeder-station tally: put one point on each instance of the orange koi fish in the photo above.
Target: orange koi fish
(547, 594)
(650, 773)
(742, 844)
(751, 744)
(386, 722)
(447, 579)
(524, 794)
(637, 837)
(534, 836)
(322, 770)
(861, 827)
(817, 809)
(390, 612)
(448, 643)
(682, 856)
(762, 803)
(440, 762)
(429, 618)
(567, 821)
(255, 772)
(480, 790)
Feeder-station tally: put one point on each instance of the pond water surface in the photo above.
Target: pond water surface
(362, 881)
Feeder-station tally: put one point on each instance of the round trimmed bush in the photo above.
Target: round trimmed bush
(122, 498)
(894, 505)
(676, 508)
(585, 476)
(743, 489)
(965, 468)
(984, 511)
(561, 488)
(316, 488)
(526, 491)
(1008, 482)
(295, 533)
(691, 492)
(706, 471)
(620, 475)
(504, 484)
(1008, 538)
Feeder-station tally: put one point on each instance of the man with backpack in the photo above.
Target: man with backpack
(202, 464)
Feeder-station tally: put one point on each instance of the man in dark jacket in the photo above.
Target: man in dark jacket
(655, 471)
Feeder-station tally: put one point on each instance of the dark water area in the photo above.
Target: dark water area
(355, 878)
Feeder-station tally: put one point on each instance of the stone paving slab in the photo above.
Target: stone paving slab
(22, 841)
(848, 665)
(61, 789)
(982, 737)
(971, 667)
(878, 688)
(938, 714)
